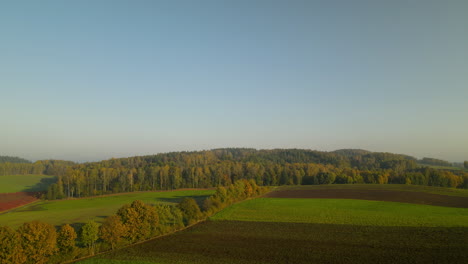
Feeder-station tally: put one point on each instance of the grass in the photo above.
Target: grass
(96, 208)
(389, 187)
(344, 211)
(25, 183)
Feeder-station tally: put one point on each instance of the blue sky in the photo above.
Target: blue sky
(91, 80)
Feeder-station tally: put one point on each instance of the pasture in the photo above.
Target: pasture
(25, 183)
(72, 211)
(299, 230)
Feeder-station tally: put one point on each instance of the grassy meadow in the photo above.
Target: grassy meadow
(344, 212)
(71, 211)
(25, 183)
(292, 230)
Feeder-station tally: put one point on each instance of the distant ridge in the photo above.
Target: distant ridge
(4, 159)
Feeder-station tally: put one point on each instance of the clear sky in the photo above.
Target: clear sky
(90, 80)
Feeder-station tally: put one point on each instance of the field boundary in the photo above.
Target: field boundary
(172, 233)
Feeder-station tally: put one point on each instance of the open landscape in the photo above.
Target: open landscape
(79, 211)
(234, 132)
(298, 230)
(19, 190)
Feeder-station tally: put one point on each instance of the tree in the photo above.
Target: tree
(465, 164)
(39, 241)
(66, 238)
(89, 235)
(140, 219)
(11, 251)
(112, 230)
(191, 210)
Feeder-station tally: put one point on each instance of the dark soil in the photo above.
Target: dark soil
(233, 242)
(377, 195)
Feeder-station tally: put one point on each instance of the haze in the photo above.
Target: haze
(91, 80)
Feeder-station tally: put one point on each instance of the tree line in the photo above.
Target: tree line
(4, 159)
(222, 167)
(39, 243)
(435, 162)
(45, 167)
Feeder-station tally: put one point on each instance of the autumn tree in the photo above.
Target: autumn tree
(112, 230)
(191, 210)
(465, 164)
(89, 235)
(140, 219)
(11, 251)
(39, 241)
(66, 238)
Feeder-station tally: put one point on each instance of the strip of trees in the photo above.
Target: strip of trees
(221, 167)
(39, 243)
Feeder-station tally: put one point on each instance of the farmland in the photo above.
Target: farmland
(24, 183)
(18, 190)
(299, 230)
(97, 208)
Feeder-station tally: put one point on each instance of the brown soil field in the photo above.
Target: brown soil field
(12, 200)
(376, 195)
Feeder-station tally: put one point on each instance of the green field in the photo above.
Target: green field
(344, 212)
(286, 230)
(25, 183)
(96, 208)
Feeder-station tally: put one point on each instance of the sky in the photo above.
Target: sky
(93, 79)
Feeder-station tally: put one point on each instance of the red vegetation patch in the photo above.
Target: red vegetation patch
(11, 200)
(377, 195)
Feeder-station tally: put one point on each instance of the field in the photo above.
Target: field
(408, 195)
(18, 190)
(13, 200)
(25, 183)
(96, 208)
(298, 230)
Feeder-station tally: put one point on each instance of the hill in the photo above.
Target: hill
(4, 159)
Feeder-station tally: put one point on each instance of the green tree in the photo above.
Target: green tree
(112, 230)
(39, 241)
(191, 210)
(89, 235)
(11, 251)
(465, 164)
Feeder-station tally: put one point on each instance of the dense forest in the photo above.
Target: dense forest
(221, 167)
(46, 167)
(435, 162)
(4, 159)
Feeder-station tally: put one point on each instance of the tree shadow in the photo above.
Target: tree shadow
(42, 185)
(177, 199)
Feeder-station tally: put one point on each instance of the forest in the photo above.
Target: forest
(4, 159)
(221, 167)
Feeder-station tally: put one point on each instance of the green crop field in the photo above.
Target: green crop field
(294, 230)
(96, 208)
(341, 211)
(25, 183)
